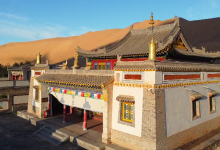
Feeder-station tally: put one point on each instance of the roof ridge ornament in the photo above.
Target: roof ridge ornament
(131, 27)
(151, 22)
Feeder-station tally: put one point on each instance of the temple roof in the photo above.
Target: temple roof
(199, 37)
(202, 33)
(136, 42)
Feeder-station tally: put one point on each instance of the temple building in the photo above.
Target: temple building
(147, 90)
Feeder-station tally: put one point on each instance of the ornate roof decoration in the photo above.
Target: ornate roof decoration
(151, 22)
(166, 66)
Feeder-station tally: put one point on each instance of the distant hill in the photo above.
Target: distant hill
(59, 49)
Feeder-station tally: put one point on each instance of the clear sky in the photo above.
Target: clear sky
(28, 20)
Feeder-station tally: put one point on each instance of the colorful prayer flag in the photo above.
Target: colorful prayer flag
(73, 92)
(95, 95)
(88, 94)
(92, 95)
(85, 94)
(82, 94)
(98, 96)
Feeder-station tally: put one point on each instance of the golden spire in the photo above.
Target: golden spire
(151, 21)
(39, 58)
(152, 50)
(76, 64)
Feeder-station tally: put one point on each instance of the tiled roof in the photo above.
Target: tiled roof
(75, 79)
(202, 33)
(136, 42)
(125, 98)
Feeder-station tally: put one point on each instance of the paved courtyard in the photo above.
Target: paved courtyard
(17, 134)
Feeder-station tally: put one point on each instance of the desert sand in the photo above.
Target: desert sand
(59, 49)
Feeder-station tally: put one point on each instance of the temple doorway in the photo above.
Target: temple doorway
(57, 107)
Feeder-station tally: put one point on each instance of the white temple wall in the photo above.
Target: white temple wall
(20, 99)
(178, 106)
(80, 102)
(138, 96)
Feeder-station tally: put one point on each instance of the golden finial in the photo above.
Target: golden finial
(151, 21)
(39, 58)
(65, 65)
(152, 50)
(88, 64)
(76, 64)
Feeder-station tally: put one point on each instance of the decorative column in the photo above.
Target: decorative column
(48, 104)
(85, 120)
(64, 113)
(71, 110)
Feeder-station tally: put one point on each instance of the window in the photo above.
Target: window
(96, 66)
(100, 67)
(212, 104)
(103, 67)
(127, 111)
(108, 66)
(37, 94)
(195, 109)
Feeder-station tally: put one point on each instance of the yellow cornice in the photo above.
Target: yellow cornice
(145, 85)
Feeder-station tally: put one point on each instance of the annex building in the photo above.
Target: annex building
(154, 89)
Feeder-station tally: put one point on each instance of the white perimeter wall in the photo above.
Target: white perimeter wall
(80, 102)
(138, 95)
(178, 106)
(20, 99)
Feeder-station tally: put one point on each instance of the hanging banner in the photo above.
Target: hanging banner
(77, 93)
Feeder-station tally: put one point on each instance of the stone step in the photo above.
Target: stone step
(113, 146)
(51, 137)
(46, 138)
(62, 137)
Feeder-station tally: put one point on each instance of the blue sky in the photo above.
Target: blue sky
(28, 20)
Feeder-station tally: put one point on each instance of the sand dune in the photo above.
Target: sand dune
(60, 49)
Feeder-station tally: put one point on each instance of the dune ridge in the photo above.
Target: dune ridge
(59, 49)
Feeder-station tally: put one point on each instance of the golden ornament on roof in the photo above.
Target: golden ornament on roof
(151, 22)
(39, 58)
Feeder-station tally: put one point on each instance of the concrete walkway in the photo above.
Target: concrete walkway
(88, 139)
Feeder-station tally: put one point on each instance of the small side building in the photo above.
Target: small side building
(14, 90)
